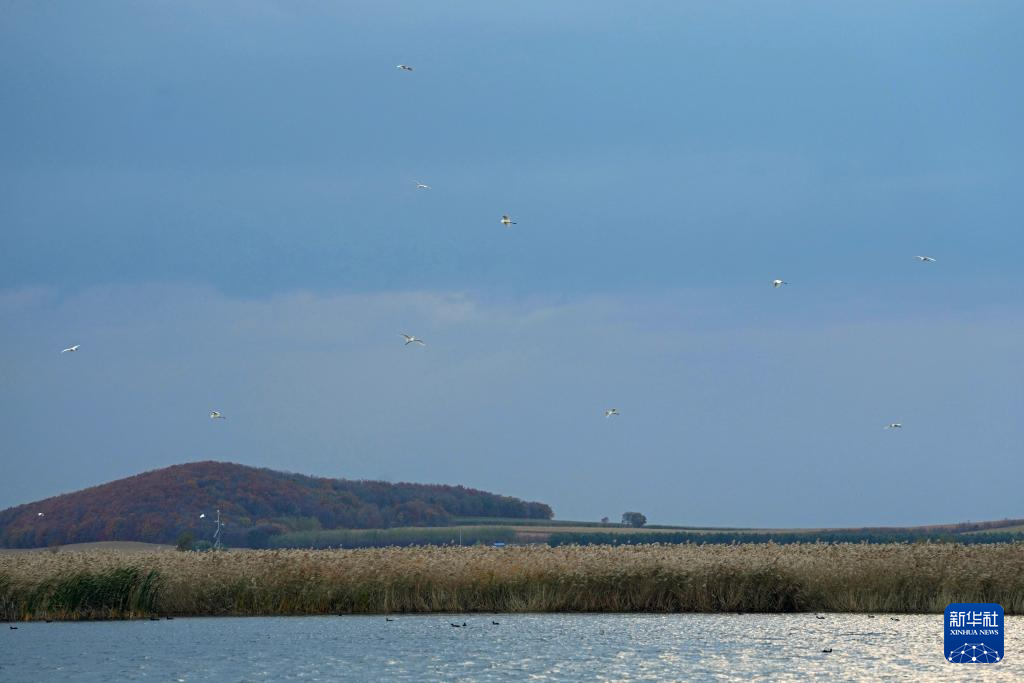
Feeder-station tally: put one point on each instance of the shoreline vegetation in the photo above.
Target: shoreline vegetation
(818, 577)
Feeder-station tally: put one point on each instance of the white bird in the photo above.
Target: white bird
(71, 349)
(925, 259)
(611, 412)
(778, 283)
(421, 186)
(506, 220)
(409, 339)
(202, 516)
(404, 67)
(215, 415)
(40, 514)
(894, 425)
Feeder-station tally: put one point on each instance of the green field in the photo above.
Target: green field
(1014, 528)
(485, 530)
(519, 522)
(398, 536)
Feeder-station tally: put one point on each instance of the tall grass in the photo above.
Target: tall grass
(649, 578)
(111, 592)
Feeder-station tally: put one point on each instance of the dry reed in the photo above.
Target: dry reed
(650, 578)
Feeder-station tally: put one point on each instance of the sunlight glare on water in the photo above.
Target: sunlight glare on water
(541, 647)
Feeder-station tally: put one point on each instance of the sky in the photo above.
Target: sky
(217, 202)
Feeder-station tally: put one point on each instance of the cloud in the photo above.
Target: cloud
(736, 408)
(14, 300)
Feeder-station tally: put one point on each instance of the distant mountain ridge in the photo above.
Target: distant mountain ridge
(256, 503)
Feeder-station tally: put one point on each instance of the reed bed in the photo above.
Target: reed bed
(651, 578)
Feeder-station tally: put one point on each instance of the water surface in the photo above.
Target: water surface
(544, 647)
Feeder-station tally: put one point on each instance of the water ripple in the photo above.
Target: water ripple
(540, 647)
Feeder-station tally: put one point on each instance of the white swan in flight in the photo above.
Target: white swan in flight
(71, 349)
(506, 220)
(611, 412)
(409, 339)
(778, 283)
(925, 259)
(404, 67)
(215, 415)
(421, 186)
(894, 425)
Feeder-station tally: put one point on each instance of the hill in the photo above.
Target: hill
(256, 504)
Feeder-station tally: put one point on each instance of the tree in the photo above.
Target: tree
(185, 541)
(635, 519)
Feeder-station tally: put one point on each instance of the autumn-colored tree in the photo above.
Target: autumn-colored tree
(255, 504)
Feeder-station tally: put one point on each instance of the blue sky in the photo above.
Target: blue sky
(217, 202)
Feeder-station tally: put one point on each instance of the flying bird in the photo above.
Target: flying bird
(421, 186)
(71, 349)
(404, 67)
(894, 425)
(215, 415)
(202, 516)
(506, 220)
(778, 283)
(409, 339)
(611, 412)
(40, 514)
(925, 259)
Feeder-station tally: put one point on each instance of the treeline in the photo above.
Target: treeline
(729, 537)
(256, 504)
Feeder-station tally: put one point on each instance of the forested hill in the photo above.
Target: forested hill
(256, 503)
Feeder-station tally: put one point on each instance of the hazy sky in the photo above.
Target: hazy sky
(216, 201)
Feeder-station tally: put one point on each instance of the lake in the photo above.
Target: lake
(547, 647)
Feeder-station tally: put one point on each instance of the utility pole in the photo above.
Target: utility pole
(216, 534)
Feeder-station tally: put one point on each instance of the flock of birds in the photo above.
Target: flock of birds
(507, 221)
(828, 650)
(493, 623)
